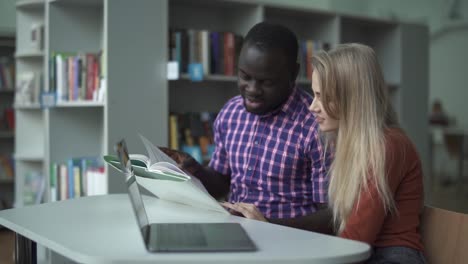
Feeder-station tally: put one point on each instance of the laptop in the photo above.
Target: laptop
(180, 237)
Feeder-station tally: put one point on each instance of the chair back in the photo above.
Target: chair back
(454, 144)
(444, 236)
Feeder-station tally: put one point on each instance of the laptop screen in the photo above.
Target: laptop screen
(133, 191)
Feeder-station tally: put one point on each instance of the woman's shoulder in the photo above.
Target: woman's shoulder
(400, 150)
(395, 136)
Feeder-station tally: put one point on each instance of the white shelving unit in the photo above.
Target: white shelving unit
(29, 133)
(401, 48)
(30, 55)
(131, 70)
(134, 37)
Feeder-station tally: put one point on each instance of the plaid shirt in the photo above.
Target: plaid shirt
(275, 160)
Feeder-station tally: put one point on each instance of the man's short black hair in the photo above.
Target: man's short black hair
(268, 36)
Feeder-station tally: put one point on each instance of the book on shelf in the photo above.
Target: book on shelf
(7, 167)
(37, 36)
(76, 177)
(307, 49)
(7, 74)
(28, 88)
(160, 175)
(8, 119)
(173, 132)
(192, 132)
(229, 53)
(217, 52)
(33, 188)
(75, 76)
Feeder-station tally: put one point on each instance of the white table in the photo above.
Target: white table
(103, 229)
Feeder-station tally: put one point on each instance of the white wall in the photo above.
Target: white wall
(414, 10)
(448, 69)
(447, 50)
(448, 56)
(447, 62)
(7, 17)
(358, 7)
(355, 7)
(319, 4)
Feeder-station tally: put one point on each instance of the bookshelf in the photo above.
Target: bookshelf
(89, 127)
(7, 134)
(134, 69)
(29, 133)
(401, 48)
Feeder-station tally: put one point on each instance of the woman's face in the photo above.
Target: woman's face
(326, 123)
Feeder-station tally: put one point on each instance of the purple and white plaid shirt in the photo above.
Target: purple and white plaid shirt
(275, 160)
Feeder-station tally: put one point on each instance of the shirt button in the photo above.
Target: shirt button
(250, 168)
(256, 142)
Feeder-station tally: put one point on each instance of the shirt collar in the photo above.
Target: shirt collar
(286, 108)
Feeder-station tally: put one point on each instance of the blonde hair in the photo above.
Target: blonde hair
(353, 91)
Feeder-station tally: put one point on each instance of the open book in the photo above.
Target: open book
(160, 175)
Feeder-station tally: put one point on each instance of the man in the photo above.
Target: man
(268, 155)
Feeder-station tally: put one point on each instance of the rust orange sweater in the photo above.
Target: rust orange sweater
(368, 222)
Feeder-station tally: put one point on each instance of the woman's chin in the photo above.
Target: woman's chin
(325, 128)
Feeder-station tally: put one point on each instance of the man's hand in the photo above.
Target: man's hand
(248, 210)
(184, 160)
(215, 183)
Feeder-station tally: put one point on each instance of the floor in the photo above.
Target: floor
(450, 197)
(7, 246)
(453, 197)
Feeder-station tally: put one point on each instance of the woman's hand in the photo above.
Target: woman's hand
(248, 210)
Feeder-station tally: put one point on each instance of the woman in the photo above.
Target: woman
(376, 183)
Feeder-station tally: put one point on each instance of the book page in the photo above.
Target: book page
(158, 175)
(155, 154)
(136, 158)
(171, 169)
(167, 167)
(181, 192)
(170, 185)
(144, 172)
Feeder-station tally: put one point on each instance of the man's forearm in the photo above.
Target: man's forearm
(215, 183)
(320, 221)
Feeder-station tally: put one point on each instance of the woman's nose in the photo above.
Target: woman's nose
(313, 106)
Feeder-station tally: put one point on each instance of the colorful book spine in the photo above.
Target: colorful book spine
(229, 43)
(75, 177)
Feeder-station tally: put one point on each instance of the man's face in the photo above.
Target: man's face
(264, 78)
